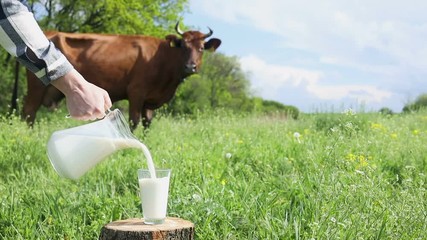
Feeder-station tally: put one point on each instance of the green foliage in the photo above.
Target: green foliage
(148, 17)
(190, 97)
(234, 176)
(268, 106)
(386, 111)
(421, 100)
(7, 79)
(419, 103)
(291, 111)
(347, 122)
(408, 108)
(220, 84)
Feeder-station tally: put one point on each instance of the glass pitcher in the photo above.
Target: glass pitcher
(75, 151)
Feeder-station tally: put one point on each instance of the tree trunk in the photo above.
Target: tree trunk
(135, 228)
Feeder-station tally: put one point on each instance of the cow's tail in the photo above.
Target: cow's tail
(14, 101)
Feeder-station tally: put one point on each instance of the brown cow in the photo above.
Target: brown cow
(142, 69)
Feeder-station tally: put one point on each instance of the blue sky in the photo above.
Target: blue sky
(324, 55)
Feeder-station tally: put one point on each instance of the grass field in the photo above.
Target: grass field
(324, 176)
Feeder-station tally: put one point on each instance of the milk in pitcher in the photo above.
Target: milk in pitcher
(78, 154)
(74, 151)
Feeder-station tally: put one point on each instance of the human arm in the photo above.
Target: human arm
(22, 37)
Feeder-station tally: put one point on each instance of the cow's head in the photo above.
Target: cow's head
(192, 45)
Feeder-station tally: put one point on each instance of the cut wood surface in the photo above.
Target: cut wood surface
(135, 228)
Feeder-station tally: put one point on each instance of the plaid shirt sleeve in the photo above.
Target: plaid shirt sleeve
(22, 37)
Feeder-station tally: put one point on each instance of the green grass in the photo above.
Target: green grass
(347, 176)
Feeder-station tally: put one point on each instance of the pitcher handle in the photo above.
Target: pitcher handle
(108, 111)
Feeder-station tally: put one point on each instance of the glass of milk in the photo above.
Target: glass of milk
(154, 194)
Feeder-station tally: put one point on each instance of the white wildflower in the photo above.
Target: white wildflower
(349, 112)
(297, 136)
(197, 197)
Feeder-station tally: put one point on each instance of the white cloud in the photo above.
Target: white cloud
(274, 76)
(271, 78)
(334, 28)
(375, 49)
(360, 93)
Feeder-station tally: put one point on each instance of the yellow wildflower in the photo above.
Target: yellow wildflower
(351, 157)
(363, 161)
(223, 182)
(360, 160)
(378, 126)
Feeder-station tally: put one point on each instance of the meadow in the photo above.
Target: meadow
(342, 175)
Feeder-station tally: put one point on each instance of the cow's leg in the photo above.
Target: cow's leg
(134, 113)
(34, 98)
(148, 116)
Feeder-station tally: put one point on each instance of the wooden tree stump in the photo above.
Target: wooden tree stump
(135, 228)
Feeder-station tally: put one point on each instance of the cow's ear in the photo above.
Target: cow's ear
(212, 44)
(173, 40)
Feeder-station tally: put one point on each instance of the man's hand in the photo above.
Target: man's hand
(85, 101)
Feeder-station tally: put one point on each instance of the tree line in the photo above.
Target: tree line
(221, 82)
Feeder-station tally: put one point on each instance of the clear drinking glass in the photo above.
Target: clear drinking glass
(154, 193)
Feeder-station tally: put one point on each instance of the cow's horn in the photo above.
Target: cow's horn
(179, 31)
(208, 34)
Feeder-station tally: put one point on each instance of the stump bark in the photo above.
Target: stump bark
(135, 228)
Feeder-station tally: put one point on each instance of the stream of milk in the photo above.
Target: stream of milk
(137, 144)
